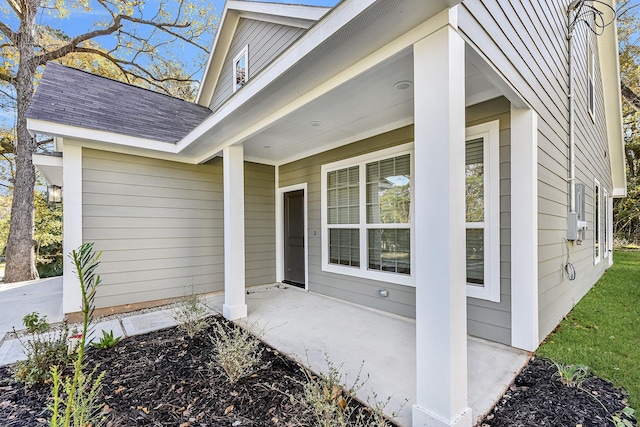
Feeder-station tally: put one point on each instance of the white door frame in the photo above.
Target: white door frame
(280, 232)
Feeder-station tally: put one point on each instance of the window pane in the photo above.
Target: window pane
(343, 196)
(344, 246)
(475, 256)
(390, 250)
(474, 180)
(241, 71)
(389, 191)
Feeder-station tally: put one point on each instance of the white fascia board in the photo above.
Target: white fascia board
(50, 167)
(296, 11)
(110, 141)
(219, 49)
(297, 52)
(610, 76)
(286, 14)
(66, 131)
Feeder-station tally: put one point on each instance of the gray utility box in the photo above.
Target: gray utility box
(576, 223)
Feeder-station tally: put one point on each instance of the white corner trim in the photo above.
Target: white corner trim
(524, 229)
(597, 223)
(72, 226)
(605, 227)
(490, 132)
(280, 192)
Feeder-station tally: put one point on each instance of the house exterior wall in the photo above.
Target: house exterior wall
(160, 226)
(485, 319)
(266, 40)
(526, 42)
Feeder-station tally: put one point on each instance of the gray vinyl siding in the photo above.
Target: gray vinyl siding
(160, 226)
(266, 40)
(158, 223)
(259, 219)
(526, 41)
(486, 319)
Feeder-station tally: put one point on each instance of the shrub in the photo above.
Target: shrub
(42, 351)
(35, 323)
(237, 351)
(190, 313)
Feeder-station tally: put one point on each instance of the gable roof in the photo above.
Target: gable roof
(73, 97)
(293, 15)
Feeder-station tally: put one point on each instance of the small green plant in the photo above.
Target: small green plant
(107, 341)
(34, 323)
(623, 418)
(42, 351)
(75, 397)
(572, 375)
(237, 351)
(190, 313)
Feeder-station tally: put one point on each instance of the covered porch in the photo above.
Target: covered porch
(307, 326)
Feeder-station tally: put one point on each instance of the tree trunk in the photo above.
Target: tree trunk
(21, 261)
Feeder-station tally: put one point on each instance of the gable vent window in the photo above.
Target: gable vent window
(241, 69)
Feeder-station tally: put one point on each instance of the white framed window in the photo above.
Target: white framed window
(482, 194)
(597, 225)
(366, 216)
(240, 69)
(591, 58)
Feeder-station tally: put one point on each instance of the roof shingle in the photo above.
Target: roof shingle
(73, 97)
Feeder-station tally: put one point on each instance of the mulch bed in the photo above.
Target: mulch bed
(163, 379)
(538, 398)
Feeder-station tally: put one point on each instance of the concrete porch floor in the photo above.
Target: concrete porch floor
(306, 325)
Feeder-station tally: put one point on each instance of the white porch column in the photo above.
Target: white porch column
(234, 286)
(72, 225)
(440, 267)
(524, 229)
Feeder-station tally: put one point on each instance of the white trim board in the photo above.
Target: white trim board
(280, 191)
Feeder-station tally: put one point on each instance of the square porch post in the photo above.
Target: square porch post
(72, 226)
(440, 268)
(234, 281)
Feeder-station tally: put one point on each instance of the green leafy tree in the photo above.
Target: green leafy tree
(145, 42)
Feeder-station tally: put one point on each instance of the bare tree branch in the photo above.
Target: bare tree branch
(8, 32)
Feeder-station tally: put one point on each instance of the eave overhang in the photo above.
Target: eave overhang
(610, 69)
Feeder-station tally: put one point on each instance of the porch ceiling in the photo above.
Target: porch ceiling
(364, 106)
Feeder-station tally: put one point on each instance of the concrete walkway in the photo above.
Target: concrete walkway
(310, 328)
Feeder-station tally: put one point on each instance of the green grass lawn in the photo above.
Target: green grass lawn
(603, 330)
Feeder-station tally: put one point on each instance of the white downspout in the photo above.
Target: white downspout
(572, 163)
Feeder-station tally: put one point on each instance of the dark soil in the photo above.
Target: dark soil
(164, 379)
(538, 398)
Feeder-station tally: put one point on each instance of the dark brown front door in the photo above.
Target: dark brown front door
(294, 238)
